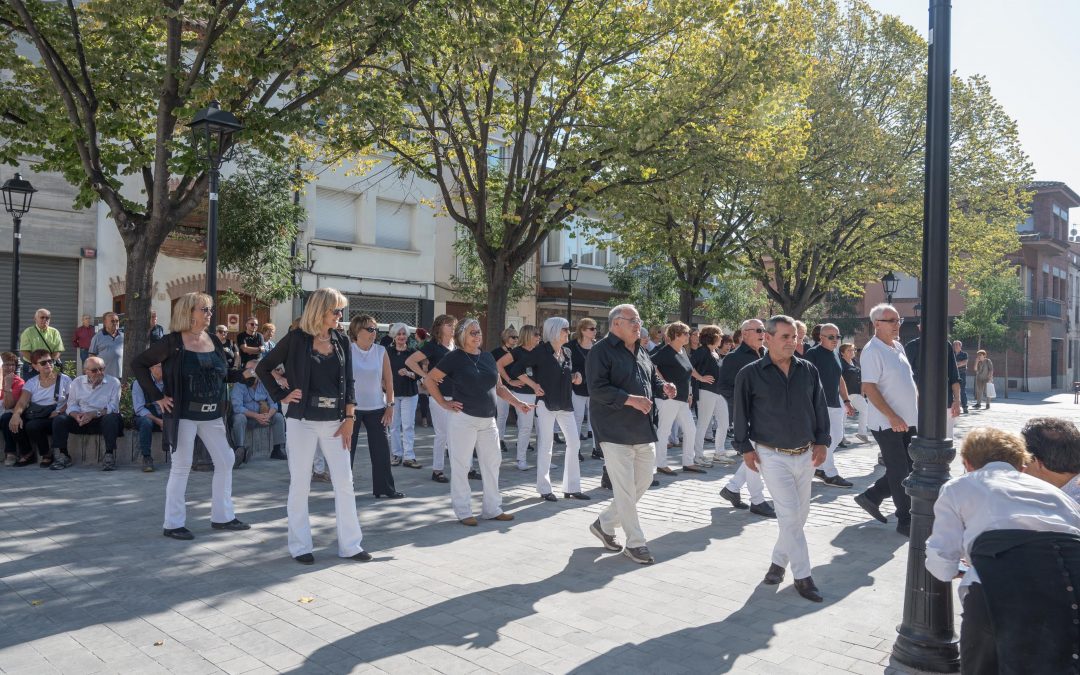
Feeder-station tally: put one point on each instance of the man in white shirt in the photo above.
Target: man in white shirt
(93, 407)
(993, 495)
(889, 386)
(1054, 444)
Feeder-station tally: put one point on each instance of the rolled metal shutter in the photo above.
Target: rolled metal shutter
(52, 283)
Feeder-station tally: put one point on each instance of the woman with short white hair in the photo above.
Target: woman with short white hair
(406, 396)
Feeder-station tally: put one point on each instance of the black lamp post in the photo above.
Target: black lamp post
(212, 132)
(18, 194)
(890, 283)
(569, 276)
(926, 639)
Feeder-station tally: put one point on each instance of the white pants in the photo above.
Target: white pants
(502, 411)
(440, 419)
(859, 402)
(524, 427)
(751, 479)
(630, 468)
(581, 406)
(545, 437)
(468, 432)
(212, 433)
(711, 408)
(789, 481)
(668, 411)
(402, 428)
(303, 436)
(836, 432)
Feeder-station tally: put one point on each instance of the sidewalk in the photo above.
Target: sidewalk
(88, 584)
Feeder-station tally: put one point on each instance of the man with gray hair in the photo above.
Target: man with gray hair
(622, 384)
(825, 357)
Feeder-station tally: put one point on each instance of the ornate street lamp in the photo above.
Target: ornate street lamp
(569, 276)
(18, 194)
(212, 131)
(890, 283)
(926, 639)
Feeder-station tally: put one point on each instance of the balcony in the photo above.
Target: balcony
(1043, 242)
(1043, 308)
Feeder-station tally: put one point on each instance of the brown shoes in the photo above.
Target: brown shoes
(470, 521)
(503, 517)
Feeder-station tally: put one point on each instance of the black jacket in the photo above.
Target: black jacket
(294, 352)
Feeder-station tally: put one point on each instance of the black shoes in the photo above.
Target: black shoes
(278, 452)
(597, 453)
(502, 446)
(389, 495)
(109, 463)
(837, 481)
(734, 497)
(474, 474)
(819, 473)
(549, 497)
(580, 457)
(870, 507)
(576, 495)
(904, 528)
(305, 559)
(808, 590)
(181, 533)
(764, 509)
(235, 525)
(239, 457)
(439, 477)
(609, 540)
(362, 556)
(774, 576)
(605, 480)
(60, 463)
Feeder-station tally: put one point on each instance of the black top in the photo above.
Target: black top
(403, 385)
(552, 376)
(434, 353)
(294, 351)
(498, 353)
(471, 379)
(322, 387)
(156, 333)
(203, 375)
(614, 374)
(520, 354)
(735, 361)
(852, 375)
(781, 411)
(961, 356)
(247, 340)
(707, 362)
(578, 356)
(828, 367)
(675, 367)
(911, 349)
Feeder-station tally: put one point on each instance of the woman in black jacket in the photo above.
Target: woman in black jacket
(318, 367)
(195, 370)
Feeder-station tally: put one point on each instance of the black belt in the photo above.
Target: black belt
(203, 407)
(324, 402)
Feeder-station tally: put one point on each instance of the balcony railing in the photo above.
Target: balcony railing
(1043, 307)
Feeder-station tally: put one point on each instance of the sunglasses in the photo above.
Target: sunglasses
(831, 337)
(759, 331)
(370, 329)
(511, 337)
(475, 333)
(46, 362)
(592, 328)
(94, 370)
(253, 323)
(899, 321)
(338, 312)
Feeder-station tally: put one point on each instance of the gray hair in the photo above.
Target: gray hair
(553, 326)
(395, 328)
(774, 321)
(617, 310)
(830, 325)
(643, 333)
(879, 309)
(746, 324)
(463, 326)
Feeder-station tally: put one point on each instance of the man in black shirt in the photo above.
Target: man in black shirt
(782, 425)
(622, 383)
(250, 342)
(961, 366)
(826, 359)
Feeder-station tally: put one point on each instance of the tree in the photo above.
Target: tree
(542, 107)
(111, 80)
(992, 303)
(732, 299)
(649, 285)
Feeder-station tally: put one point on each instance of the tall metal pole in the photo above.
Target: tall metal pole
(211, 240)
(16, 239)
(926, 639)
(570, 303)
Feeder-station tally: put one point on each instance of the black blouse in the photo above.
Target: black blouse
(552, 376)
(324, 370)
(516, 368)
(403, 385)
(471, 379)
(579, 355)
(675, 368)
(707, 362)
(434, 353)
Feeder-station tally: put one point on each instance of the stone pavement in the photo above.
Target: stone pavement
(88, 584)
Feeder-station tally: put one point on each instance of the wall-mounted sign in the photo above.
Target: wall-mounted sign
(88, 252)
(233, 323)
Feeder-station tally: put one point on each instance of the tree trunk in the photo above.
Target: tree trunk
(686, 305)
(142, 253)
(497, 292)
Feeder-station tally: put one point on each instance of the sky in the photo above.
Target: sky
(1029, 52)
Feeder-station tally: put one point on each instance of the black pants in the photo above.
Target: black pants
(9, 438)
(110, 426)
(378, 438)
(894, 452)
(35, 437)
(963, 389)
(978, 650)
(423, 406)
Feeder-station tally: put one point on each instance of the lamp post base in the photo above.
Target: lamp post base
(926, 652)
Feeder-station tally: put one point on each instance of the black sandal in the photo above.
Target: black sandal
(439, 477)
(24, 461)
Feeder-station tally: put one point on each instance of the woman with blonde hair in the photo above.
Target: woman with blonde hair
(583, 339)
(508, 340)
(528, 341)
(194, 369)
(421, 363)
(322, 401)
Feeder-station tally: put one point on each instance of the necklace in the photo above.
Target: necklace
(322, 338)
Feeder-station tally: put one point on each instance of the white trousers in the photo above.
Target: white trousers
(440, 419)
(836, 432)
(212, 433)
(859, 402)
(468, 432)
(524, 427)
(581, 406)
(545, 438)
(711, 408)
(789, 481)
(670, 410)
(502, 411)
(751, 479)
(402, 431)
(630, 468)
(302, 437)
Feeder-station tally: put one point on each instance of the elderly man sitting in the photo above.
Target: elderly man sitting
(1054, 444)
(93, 407)
(251, 406)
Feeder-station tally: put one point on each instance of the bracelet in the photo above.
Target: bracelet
(846, 401)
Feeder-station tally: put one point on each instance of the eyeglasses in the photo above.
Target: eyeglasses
(759, 331)
(340, 311)
(590, 328)
(475, 333)
(899, 322)
(511, 337)
(370, 329)
(206, 310)
(46, 362)
(94, 370)
(46, 317)
(636, 321)
(253, 323)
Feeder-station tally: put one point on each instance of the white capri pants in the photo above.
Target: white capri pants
(545, 438)
(668, 411)
(212, 433)
(711, 407)
(303, 436)
(468, 432)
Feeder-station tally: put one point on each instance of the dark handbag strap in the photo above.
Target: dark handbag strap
(56, 388)
(43, 340)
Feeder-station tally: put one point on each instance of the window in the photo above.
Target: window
(335, 215)
(393, 224)
(496, 158)
(1027, 226)
(554, 247)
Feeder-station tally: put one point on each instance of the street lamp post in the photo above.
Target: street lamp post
(18, 194)
(569, 276)
(925, 638)
(212, 132)
(890, 283)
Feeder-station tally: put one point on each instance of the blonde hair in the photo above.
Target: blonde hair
(526, 334)
(986, 444)
(319, 303)
(267, 327)
(981, 352)
(181, 313)
(462, 326)
(582, 325)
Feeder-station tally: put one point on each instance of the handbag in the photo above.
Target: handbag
(991, 390)
(40, 411)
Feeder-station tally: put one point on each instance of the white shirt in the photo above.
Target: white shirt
(367, 370)
(888, 368)
(44, 395)
(1072, 488)
(84, 398)
(995, 497)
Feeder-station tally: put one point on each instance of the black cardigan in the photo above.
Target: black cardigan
(294, 352)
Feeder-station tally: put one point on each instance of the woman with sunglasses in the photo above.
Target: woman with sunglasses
(421, 363)
(473, 380)
(195, 370)
(528, 341)
(49, 388)
(406, 396)
(583, 340)
(374, 385)
(322, 401)
(509, 340)
(675, 367)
